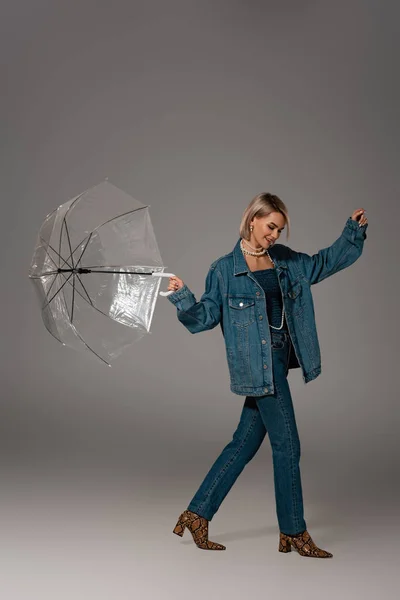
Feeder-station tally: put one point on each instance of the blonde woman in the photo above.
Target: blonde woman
(260, 295)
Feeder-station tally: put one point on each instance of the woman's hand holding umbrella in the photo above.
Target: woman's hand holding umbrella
(175, 284)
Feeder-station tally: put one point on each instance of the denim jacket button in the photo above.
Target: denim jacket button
(265, 366)
(265, 389)
(264, 341)
(257, 293)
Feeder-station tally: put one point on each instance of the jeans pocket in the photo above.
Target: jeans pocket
(277, 341)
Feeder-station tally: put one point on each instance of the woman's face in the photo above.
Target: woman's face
(267, 228)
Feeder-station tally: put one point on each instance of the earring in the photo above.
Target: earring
(251, 227)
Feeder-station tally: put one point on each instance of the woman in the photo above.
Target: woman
(260, 296)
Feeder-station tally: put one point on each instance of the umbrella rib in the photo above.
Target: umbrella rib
(88, 240)
(69, 208)
(80, 281)
(59, 290)
(51, 285)
(54, 336)
(59, 245)
(75, 201)
(50, 272)
(118, 216)
(73, 298)
(59, 255)
(91, 349)
(69, 243)
(53, 261)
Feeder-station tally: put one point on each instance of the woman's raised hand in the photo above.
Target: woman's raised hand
(358, 215)
(175, 284)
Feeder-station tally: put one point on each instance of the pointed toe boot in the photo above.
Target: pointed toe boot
(304, 545)
(198, 527)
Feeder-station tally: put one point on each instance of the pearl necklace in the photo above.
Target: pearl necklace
(260, 253)
(255, 253)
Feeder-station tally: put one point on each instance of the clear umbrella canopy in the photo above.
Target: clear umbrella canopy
(91, 268)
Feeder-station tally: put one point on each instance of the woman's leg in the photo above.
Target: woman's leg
(279, 419)
(246, 441)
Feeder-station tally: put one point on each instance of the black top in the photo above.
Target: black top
(268, 279)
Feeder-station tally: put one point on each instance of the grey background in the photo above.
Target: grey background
(194, 107)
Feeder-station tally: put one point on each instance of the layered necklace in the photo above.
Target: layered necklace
(260, 253)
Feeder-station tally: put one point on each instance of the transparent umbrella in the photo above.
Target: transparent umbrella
(96, 269)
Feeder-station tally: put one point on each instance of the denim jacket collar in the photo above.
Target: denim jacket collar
(240, 265)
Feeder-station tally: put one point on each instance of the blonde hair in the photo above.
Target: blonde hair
(261, 206)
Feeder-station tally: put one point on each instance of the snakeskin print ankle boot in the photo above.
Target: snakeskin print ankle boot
(198, 527)
(303, 544)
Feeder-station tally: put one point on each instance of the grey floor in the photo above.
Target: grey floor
(89, 532)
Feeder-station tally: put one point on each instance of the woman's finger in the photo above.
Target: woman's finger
(175, 283)
(357, 214)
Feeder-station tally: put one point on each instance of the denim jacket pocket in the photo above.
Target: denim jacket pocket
(296, 300)
(241, 310)
(294, 290)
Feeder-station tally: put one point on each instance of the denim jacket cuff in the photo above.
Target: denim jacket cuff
(355, 232)
(182, 298)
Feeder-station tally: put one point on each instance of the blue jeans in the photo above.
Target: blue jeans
(273, 414)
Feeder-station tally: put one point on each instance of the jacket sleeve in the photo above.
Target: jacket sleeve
(341, 254)
(204, 314)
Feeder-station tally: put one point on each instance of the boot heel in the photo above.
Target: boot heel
(284, 544)
(179, 528)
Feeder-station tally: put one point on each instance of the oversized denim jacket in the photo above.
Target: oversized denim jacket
(234, 299)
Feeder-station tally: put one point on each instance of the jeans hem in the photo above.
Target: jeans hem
(203, 513)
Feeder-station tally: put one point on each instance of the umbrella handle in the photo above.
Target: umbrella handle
(165, 294)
